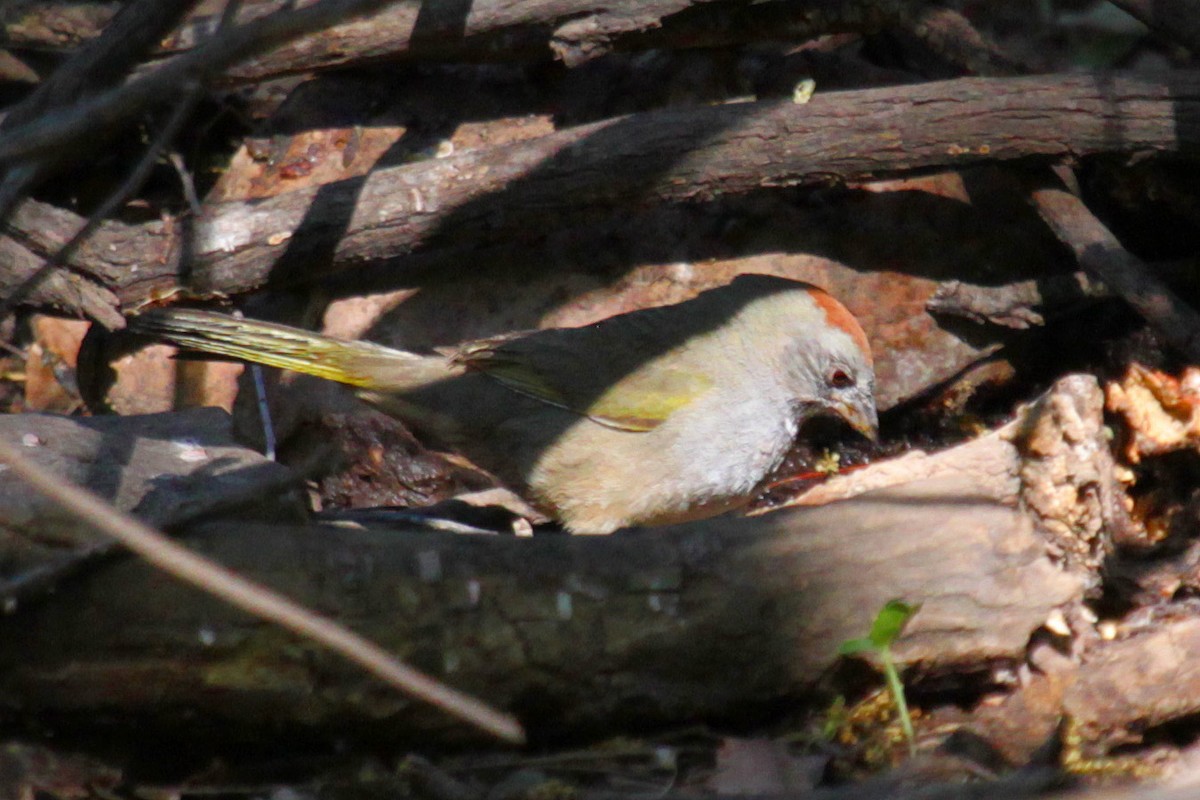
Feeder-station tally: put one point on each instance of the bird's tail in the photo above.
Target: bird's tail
(361, 364)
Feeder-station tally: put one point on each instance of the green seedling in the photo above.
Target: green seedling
(889, 624)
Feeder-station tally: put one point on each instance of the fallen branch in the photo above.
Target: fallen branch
(98, 65)
(1119, 694)
(442, 213)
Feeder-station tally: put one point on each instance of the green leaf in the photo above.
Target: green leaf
(890, 622)
(853, 646)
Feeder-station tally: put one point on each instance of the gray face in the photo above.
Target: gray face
(847, 390)
(810, 341)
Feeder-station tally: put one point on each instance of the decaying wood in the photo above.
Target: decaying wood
(177, 561)
(42, 25)
(48, 130)
(166, 468)
(1136, 683)
(103, 62)
(1024, 304)
(1056, 457)
(442, 213)
(98, 65)
(1111, 694)
(1042, 784)
(1029, 718)
(580, 632)
(568, 632)
(569, 30)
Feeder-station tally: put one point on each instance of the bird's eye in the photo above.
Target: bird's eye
(840, 379)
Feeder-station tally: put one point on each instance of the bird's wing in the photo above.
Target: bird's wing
(578, 370)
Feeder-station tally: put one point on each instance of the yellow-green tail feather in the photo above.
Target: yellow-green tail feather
(360, 364)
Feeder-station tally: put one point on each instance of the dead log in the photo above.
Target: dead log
(1114, 695)
(571, 633)
(583, 633)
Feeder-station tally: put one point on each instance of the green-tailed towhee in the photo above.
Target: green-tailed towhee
(645, 418)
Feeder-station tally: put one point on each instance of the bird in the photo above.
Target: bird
(651, 417)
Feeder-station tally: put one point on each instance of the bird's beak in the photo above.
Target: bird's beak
(861, 416)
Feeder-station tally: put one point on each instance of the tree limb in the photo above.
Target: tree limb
(1102, 255)
(193, 569)
(433, 213)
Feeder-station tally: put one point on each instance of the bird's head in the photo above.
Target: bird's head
(818, 349)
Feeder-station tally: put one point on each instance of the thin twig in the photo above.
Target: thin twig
(97, 65)
(186, 184)
(19, 177)
(131, 184)
(72, 126)
(255, 599)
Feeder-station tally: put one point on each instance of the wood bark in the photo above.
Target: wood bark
(78, 124)
(713, 620)
(45, 25)
(105, 60)
(439, 214)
